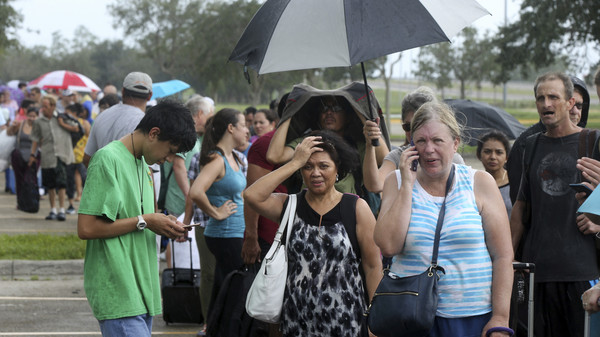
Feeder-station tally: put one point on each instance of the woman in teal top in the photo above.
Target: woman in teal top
(217, 191)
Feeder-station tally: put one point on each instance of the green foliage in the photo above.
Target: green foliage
(41, 247)
(9, 21)
(545, 30)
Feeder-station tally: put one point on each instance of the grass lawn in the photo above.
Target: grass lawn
(41, 247)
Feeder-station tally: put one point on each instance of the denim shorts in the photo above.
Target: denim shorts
(134, 326)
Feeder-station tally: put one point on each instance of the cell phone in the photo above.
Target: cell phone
(415, 163)
(581, 188)
(191, 225)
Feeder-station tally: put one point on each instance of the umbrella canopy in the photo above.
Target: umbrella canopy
(478, 118)
(303, 34)
(64, 79)
(13, 84)
(168, 88)
(304, 102)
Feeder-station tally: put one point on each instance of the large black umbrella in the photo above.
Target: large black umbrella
(304, 34)
(478, 118)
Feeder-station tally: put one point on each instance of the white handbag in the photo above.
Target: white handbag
(265, 297)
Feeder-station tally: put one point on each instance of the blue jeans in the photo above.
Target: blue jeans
(134, 326)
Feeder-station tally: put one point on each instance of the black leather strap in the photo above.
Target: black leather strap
(440, 222)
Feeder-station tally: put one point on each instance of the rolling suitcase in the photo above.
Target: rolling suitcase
(522, 295)
(180, 288)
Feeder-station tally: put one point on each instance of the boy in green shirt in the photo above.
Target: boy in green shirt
(117, 217)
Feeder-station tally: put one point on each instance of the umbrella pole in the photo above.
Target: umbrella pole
(374, 142)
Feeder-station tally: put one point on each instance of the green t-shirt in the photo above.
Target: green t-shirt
(346, 184)
(174, 200)
(120, 273)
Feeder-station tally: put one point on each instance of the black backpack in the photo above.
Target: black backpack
(228, 317)
(77, 135)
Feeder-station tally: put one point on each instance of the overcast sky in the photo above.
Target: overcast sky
(43, 17)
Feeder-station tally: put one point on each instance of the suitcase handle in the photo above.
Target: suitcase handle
(188, 239)
(524, 265)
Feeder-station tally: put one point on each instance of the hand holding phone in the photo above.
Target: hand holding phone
(415, 163)
(581, 188)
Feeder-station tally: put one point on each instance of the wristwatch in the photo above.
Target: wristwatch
(141, 223)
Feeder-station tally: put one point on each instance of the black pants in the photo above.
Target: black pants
(228, 257)
(71, 168)
(558, 309)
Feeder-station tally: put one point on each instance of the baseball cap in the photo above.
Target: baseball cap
(67, 92)
(138, 82)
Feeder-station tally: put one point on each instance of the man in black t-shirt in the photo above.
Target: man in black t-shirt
(565, 258)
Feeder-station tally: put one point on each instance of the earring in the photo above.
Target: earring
(337, 178)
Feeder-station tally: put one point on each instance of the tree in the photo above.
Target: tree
(435, 65)
(387, 77)
(9, 21)
(546, 31)
(161, 28)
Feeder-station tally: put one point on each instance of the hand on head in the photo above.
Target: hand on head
(305, 149)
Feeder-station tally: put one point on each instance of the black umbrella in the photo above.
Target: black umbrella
(478, 118)
(304, 34)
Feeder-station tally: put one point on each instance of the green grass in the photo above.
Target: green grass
(41, 247)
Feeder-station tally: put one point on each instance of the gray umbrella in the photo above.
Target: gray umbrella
(478, 118)
(304, 34)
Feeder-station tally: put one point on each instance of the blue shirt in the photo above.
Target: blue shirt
(230, 187)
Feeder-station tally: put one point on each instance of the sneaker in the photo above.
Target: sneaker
(71, 210)
(61, 216)
(51, 216)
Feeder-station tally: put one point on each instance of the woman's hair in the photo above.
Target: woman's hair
(493, 135)
(216, 126)
(344, 156)
(413, 101)
(270, 115)
(436, 111)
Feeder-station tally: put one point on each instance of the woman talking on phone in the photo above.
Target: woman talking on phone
(475, 245)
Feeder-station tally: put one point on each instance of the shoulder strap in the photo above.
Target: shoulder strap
(440, 221)
(587, 141)
(349, 220)
(530, 145)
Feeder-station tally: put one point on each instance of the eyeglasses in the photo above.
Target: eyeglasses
(406, 126)
(579, 106)
(332, 108)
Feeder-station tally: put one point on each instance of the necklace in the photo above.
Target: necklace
(137, 171)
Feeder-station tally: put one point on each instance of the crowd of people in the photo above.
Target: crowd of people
(228, 176)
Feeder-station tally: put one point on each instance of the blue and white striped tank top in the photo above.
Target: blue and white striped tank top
(466, 288)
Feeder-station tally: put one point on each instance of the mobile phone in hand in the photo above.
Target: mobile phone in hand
(191, 225)
(581, 188)
(415, 163)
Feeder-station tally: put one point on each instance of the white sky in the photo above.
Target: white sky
(43, 17)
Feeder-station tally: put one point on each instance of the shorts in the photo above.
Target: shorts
(55, 177)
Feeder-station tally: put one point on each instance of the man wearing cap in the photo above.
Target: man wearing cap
(120, 119)
(67, 98)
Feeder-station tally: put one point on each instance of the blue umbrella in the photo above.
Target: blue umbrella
(168, 88)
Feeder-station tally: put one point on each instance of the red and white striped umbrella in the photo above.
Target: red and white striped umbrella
(64, 79)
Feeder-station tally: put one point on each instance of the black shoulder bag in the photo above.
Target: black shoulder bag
(406, 306)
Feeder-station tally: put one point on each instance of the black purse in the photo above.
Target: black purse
(406, 306)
